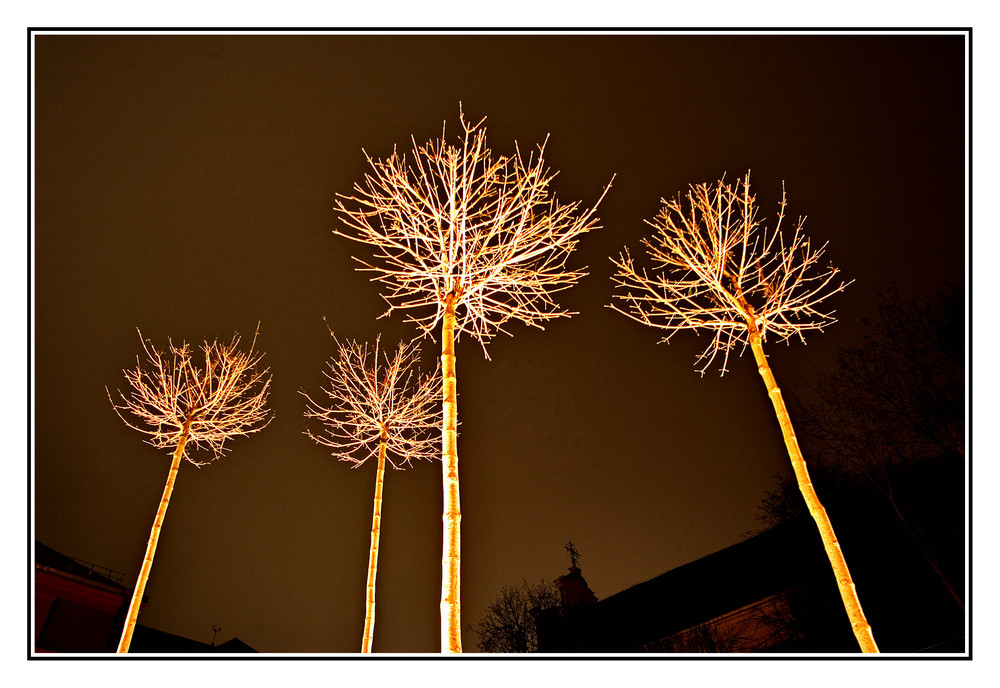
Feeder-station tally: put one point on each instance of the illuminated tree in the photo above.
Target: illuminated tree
(470, 241)
(388, 414)
(180, 406)
(719, 269)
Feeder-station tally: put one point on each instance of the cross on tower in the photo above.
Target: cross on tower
(573, 554)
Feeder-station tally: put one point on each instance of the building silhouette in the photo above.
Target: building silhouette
(81, 608)
(773, 593)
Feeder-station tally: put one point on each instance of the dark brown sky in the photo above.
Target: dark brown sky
(184, 185)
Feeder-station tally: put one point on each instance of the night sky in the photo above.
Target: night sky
(184, 186)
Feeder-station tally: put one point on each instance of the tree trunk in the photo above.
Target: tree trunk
(451, 610)
(366, 640)
(154, 536)
(862, 630)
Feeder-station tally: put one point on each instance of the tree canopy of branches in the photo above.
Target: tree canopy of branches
(376, 408)
(718, 268)
(179, 405)
(471, 241)
(508, 624)
(386, 412)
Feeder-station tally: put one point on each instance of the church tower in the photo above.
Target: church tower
(573, 587)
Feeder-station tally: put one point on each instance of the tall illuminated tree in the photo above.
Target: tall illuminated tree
(181, 404)
(718, 268)
(471, 241)
(386, 413)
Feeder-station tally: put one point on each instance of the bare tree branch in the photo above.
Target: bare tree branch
(508, 623)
